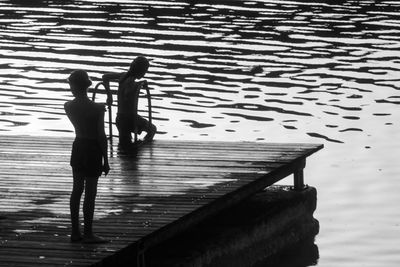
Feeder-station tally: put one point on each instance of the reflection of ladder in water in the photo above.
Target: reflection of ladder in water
(142, 85)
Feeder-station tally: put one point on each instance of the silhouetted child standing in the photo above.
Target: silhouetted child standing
(88, 156)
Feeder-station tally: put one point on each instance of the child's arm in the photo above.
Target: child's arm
(67, 109)
(103, 140)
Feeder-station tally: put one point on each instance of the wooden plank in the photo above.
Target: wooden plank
(164, 188)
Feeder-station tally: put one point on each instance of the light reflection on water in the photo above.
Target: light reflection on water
(274, 71)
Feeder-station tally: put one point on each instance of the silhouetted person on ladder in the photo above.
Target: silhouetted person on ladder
(128, 121)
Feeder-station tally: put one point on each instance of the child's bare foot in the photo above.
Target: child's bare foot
(76, 238)
(94, 239)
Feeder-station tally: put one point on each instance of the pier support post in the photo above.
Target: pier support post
(140, 255)
(298, 176)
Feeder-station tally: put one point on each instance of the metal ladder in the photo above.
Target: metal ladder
(143, 85)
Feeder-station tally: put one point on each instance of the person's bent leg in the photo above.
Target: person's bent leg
(149, 128)
(151, 131)
(74, 204)
(88, 211)
(124, 132)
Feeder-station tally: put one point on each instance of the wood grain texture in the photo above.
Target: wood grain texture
(148, 196)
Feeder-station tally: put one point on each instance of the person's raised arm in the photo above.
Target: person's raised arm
(102, 139)
(106, 81)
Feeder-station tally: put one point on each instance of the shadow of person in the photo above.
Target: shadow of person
(130, 150)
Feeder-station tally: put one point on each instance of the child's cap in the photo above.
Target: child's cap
(80, 78)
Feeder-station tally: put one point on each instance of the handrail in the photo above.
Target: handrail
(143, 84)
(109, 110)
(149, 103)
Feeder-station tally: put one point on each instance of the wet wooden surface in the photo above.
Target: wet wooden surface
(166, 187)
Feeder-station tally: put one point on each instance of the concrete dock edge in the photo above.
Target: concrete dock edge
(258, 229)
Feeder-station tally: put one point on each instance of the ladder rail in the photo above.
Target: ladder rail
(108, 107)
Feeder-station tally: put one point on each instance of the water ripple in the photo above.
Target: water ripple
(261, 61)
(313, 71)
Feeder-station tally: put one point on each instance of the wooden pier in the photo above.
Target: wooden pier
(148, 197)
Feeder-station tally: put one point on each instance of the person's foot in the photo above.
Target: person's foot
(75, 238)
(150, 135)
(123, 144)
(130, 149)
(124, 140)
(94, 239)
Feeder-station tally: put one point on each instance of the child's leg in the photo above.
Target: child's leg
(88, 211)
(124, 130)
(149, 128)
(74, 204)
(151, 131)
(89, 204)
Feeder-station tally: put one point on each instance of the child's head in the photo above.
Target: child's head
(139, 67)
(79, 82)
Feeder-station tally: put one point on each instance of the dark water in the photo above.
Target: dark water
(272, 71)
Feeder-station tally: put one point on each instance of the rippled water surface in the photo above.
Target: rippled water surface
(268, 71)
